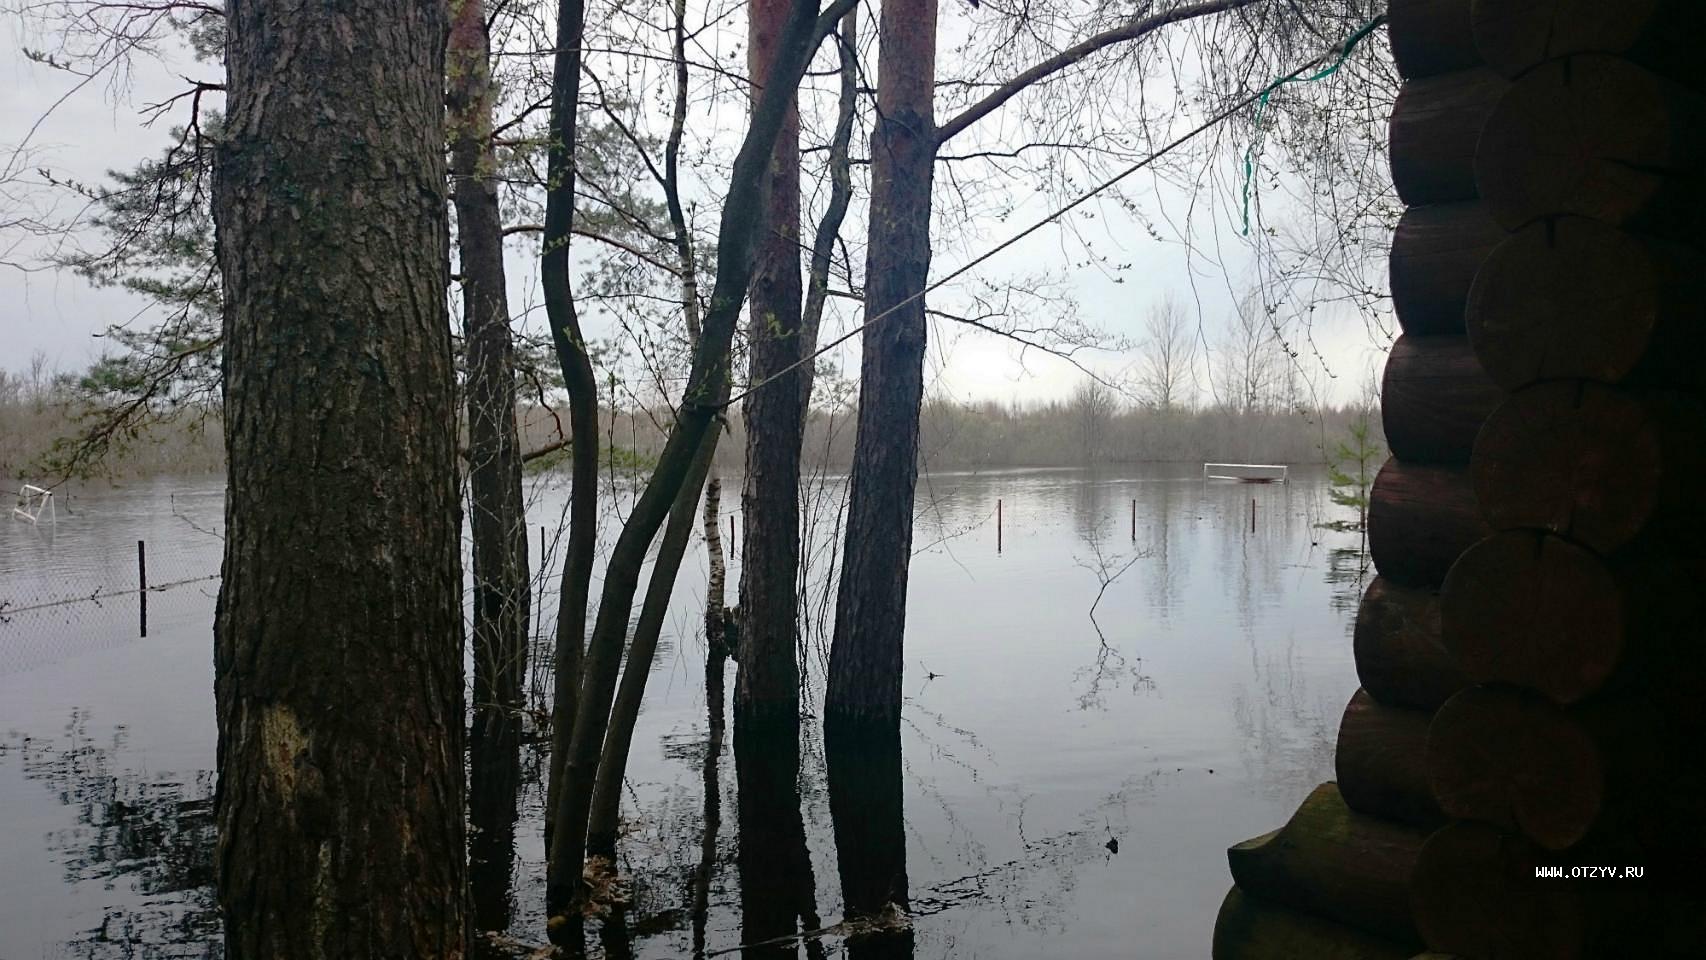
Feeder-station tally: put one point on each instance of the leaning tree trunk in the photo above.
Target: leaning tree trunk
(338, 636)
(576, 365)
(625, 712)
(870, 615)
(496, 517)
(699, 406)
(767, 685)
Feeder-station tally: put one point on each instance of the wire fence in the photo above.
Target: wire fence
(67, 589)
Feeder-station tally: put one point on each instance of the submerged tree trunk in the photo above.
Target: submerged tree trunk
(576, 364)
(767, 684)
(716, 615)
(777, 889)
(338, 636)
(699, 406)
(494, 776)
(496, 518)
(870, 615)
(613, 764)
(867, 805)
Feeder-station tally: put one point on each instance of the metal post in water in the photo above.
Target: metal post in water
(142, 580)
(997, 525)
(1252, 514)
(1134, 521)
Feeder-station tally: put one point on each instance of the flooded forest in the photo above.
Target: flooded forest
(697, 478)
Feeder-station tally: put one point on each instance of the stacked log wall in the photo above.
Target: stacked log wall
(1532, 650)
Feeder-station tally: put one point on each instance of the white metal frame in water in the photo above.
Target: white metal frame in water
(1247, 472)
(32, 502)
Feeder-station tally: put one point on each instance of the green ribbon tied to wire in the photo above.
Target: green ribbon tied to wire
(1296, 77)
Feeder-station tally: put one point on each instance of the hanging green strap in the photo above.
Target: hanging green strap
(1267, 92)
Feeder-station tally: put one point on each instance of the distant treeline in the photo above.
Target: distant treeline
(990, 434)
(955, 435)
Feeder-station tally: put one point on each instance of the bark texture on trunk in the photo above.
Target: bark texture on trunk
(496, 514)
(338, 636)
(768, 684)
(870, 616)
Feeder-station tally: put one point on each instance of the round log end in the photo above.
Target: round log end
(1512, 758)
(1532, 609)
(1474, 893)
(1572, 298)
(1594, 136)
(1571, 457)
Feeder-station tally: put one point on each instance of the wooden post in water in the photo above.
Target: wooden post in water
(733, 540)
(1134, 521)
(1252, 514)
(998, 525)
(142, 581)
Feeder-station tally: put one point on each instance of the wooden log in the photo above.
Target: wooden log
(1513, 36)
(1535, 610)
(1435, 126)
(1571, 298)
(1335, 864)
(1381, 762)
(1598, 137)
(1399, 657)
(1592, 463)
(1475, 893)
(1420, 518)
(1436, 250)
(1434, 398)
(1431, 37)
(1512, 758)
(1249, 928)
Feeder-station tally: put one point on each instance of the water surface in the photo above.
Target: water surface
(1067, 783)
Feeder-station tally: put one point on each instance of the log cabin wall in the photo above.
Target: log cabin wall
(1531, 651)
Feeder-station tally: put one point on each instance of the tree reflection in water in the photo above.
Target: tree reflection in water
(776, 884)
(867, 806)
(494, 780)
(147, 838)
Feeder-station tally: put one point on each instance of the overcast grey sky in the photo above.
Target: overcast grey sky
(96, 128)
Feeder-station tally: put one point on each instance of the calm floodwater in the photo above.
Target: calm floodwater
(1195, 710)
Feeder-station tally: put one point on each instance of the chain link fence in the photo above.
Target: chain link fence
(87, 583)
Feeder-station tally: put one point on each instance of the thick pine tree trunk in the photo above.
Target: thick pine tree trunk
(870, 616)
(338, 637)
(496, 514)
(768, 682)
